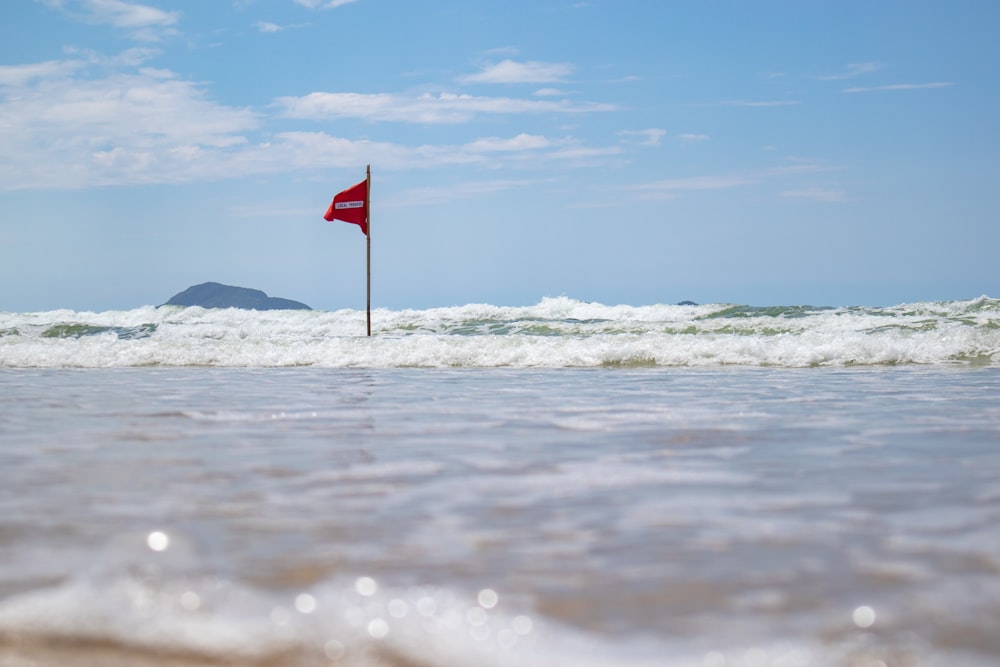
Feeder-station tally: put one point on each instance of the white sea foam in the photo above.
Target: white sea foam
(148, 622)
(352, 623)
(557, 332)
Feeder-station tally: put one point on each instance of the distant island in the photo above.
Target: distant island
(216, 295)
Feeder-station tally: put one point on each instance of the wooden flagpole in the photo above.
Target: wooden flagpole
(368, 225)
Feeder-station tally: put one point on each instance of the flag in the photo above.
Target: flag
(351, 205)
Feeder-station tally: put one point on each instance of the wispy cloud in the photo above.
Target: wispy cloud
(323, 4)
(816, 195)
(425, 108)
(519, 143)
(583, 155)
(759, 103)
(19, 75)
(131, 15)
(648, 137)
(852, 70)
(797, 166)
(671, 188)
(691, 138)
(267, 26)
(128, 58)
(71, 129)
(296, 150)
(270, 28)
(22, 75)
(510, 71)
(899, 86)
(142, 22)
(455, 192)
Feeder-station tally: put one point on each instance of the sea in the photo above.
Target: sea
(566, 484)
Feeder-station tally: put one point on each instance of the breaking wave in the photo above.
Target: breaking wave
(555, 333)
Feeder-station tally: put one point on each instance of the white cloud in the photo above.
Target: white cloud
(323, 4)
(129, 15)
(19, 75)
(510, 71)
(297, 150)
(853, 70)
(425, 108)
(71, 132)
(97, 120)
(459, 191)
(584, 155)
(519, 143)
(900, 86)
(691, 138)
(798, 166)
(816, 195)
(271, 28)
(673, 187)
(752, 103)
(143, 22)
(128, 58)
(147, 126)
(648, 137)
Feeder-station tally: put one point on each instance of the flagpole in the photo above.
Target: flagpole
(368, 238)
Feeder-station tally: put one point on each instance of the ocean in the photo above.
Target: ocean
(556, 333)
(567, 484)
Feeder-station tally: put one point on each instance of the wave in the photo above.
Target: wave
(556, 332)
(160, 610)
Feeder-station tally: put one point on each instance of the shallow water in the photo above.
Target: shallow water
(654, 516)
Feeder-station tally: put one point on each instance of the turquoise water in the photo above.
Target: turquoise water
(615, 516)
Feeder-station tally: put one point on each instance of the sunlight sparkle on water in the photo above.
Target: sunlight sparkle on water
(476, 616)
(488, 598)
(864, 617)
(190, 600)
(378, 628)
(427, 606)
(522, 625)
(280, 616)
(365, 586)
(398, 608)
(305, 603)
(158, 540)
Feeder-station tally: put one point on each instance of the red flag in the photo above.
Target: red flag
(351, 205)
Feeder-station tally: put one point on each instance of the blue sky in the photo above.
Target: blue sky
(623, 151)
